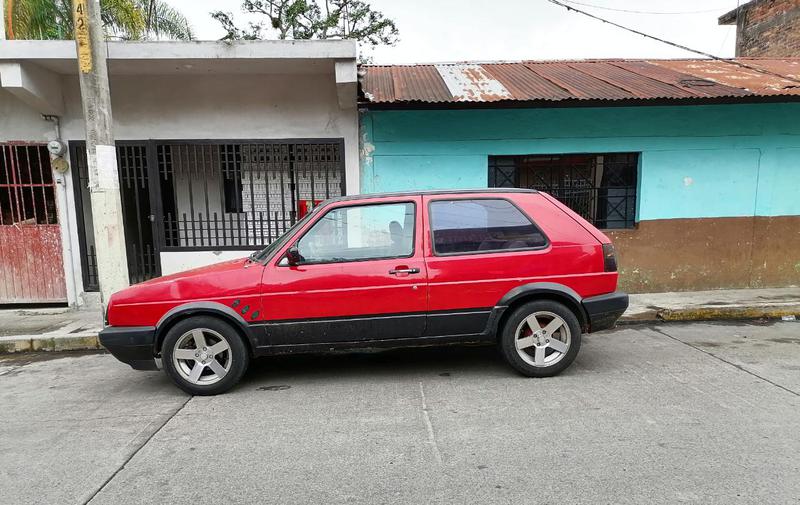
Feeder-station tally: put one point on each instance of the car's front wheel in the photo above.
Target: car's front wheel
(204, 355)
(541, 338)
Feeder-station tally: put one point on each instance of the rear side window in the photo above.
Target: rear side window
(481, 225)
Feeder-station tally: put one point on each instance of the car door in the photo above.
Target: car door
(479, 248)
(361, 276)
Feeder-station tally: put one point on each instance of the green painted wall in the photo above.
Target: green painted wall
(697, 161)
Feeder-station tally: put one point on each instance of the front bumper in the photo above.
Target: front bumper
(604, 310)
(132, 345)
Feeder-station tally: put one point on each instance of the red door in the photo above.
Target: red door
(362, 277)
(31, 266)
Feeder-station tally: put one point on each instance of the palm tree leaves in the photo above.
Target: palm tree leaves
(122, 19)
(163, 21)
(38, 19)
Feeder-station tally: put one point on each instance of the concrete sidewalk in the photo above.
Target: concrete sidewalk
(39, 329)
(70, 330)
(769, 303)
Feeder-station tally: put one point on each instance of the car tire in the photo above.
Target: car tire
(542, 351)
(204, 355)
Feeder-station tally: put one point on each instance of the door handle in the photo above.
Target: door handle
(396, 271)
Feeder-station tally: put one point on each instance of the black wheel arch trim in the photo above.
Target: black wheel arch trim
(202, 308)
(552, 289)
(539, 287)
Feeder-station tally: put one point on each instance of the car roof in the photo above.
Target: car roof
(369, 196)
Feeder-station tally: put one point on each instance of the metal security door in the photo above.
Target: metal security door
(137, 217)
(31, 265)
(144, 260)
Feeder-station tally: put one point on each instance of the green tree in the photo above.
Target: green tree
(123, 19)
(163, 21)
(311, 19)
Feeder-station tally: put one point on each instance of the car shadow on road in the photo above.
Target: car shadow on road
(480, 360)
(443, 361)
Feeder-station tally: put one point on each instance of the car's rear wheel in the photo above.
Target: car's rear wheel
(541, 338)
(204, 355)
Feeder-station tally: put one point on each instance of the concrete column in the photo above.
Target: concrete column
(101, 155)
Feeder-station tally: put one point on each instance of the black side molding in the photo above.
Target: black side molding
(604, 310)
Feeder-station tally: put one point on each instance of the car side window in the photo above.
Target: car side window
(481, 225)
(360, 232)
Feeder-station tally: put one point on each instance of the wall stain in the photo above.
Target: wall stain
(708, 253)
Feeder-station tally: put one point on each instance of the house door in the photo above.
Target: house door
(31, 265)
(138, 217)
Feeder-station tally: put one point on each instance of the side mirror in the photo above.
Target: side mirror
(293, 256)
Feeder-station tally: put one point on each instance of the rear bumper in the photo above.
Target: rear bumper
(604, 310)
(131, 344)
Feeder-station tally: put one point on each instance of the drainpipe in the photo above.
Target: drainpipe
(62, 198)
(56, 120)
(2, 20)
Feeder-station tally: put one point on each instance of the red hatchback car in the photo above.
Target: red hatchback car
(515, 267)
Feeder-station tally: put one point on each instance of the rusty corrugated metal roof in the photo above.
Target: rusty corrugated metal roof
(577, 80)
(743, 78)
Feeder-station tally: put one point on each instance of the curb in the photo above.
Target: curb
(28, 343)
(712, 313)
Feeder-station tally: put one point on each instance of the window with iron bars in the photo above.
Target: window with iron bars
(242, 195)
(599, 187)
(27, 193)
(207, 195)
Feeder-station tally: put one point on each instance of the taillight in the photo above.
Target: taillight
(609, 258)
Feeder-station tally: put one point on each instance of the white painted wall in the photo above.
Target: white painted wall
(241, 106)
(20, 122)
(172, 262)
(224, 107)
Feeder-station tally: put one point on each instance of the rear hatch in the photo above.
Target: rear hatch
(600, 236)
(609, 254)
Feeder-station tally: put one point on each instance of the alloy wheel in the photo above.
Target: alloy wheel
(202, 356)
(542, 339)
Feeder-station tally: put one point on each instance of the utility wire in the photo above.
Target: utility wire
(639, 12)
(728, 33)
(675, 44)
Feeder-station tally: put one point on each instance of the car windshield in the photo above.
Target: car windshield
(263, 254)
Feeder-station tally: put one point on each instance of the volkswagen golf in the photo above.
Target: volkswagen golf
(513, 267)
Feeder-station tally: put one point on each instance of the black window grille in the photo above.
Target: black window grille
(207, 195)
(242, 195)
(599, 187)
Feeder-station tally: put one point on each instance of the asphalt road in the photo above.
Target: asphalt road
(679, 413)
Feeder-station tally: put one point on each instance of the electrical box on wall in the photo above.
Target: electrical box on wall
(56, 148)
(59, 164)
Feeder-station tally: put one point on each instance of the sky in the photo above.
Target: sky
(490, 30)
